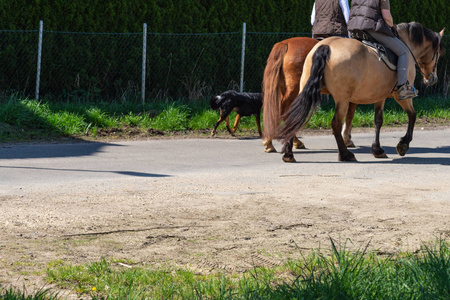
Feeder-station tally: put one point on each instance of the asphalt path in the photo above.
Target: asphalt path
(30, 167)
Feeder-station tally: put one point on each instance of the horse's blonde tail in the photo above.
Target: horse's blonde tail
(307, 101)
(273, 88)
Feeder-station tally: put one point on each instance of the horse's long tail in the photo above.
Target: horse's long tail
(273, 87)
(307, 101)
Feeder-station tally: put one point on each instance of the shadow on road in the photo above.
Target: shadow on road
(26, 151)
(390, 151)
(127, 173)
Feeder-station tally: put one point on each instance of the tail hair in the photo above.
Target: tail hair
(309, 99)
(273, 84)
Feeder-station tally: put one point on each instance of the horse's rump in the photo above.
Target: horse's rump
(351, 65)
(282, 78)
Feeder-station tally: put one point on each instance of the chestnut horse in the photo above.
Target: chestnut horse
(352, 73)
(281, 84)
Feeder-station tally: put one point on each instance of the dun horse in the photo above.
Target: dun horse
(352, 73)
(281, 84)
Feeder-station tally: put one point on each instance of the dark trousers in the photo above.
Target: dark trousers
(400, 49)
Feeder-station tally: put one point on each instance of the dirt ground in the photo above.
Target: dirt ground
(215, 223)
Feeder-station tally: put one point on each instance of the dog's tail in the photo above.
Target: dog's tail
(307, 101)
(273, 85)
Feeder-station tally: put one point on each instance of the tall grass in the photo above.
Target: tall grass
(335, 273)
(15, 294)
(24, 119)
(338, 273)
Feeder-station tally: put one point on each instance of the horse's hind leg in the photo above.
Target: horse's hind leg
(377, 151)
(347, 131)
(297, 144)
(336, 124)
(403, 144)
(288, 155)
(268, 146)
(292, 89)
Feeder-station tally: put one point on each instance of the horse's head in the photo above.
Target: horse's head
(426, 47)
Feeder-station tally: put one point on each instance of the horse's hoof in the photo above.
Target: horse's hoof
(270, 150)
(402, 148)
(350, 157)
(299, 145)
(289, 159)
(350, 144)
(378, 152)
(382, 155)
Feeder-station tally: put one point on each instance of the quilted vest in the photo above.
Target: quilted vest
(329, 18)
(366, 15)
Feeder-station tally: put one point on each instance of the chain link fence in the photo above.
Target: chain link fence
(109, 66)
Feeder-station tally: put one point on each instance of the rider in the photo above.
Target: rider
(374, 17)
(330, 18)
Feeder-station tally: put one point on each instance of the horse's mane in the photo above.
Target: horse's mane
(417, 33)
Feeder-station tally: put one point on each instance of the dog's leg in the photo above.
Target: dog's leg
(236, 123)
(221, 119)
(227, 121)
(258, 123)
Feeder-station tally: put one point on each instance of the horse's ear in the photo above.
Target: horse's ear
(442, 32)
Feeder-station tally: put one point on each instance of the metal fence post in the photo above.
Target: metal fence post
(38, 72)
(144, 59)
(244, 29)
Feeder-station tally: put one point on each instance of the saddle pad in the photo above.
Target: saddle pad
(384, 54)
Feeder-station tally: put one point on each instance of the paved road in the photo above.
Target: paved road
(216, 203)
(27, 167)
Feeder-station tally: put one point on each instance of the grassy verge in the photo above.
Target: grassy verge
(24, 120)
(334, 274)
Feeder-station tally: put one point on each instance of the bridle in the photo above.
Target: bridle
(436, 55)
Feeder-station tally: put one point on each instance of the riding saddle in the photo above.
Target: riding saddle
(384, 54)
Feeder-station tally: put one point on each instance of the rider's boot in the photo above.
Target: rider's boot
(406, 91)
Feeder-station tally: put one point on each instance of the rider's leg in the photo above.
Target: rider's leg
(405, 91)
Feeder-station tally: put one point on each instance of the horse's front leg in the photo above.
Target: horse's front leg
(347, 131)
(336, 125)
(377, 151)
(403, 144)
(288, 155)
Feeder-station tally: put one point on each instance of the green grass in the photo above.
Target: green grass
(336, 273)
(24, 119)
(15, 294)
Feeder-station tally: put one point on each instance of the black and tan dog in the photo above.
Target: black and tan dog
(244, 104)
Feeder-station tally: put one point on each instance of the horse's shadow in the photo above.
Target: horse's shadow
(409, 158)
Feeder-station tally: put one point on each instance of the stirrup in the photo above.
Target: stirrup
(406, 91)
